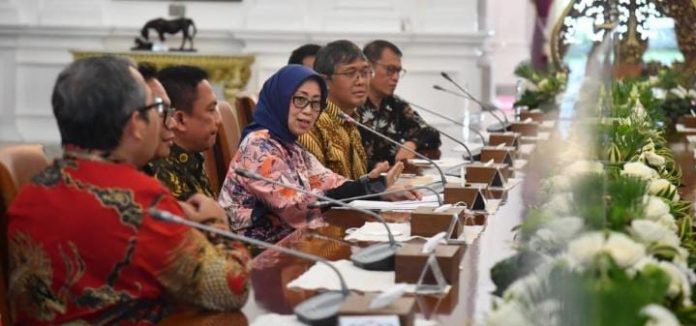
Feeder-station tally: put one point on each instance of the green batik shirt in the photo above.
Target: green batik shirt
(182, 172)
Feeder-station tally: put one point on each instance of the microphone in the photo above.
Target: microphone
(379, 134)
(316, 310)
(488, 108)
(376, 257)
(433, 112)
(320, 204)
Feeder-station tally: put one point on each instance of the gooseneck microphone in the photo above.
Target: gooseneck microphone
(490, 107)
(316, 310)
(376, 257)
(433, 112)
(320, 204)
(484, 107)
(379, 134)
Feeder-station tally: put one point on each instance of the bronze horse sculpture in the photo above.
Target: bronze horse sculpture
(162, 26)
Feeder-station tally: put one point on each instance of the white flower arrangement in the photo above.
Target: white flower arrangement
(560, 204)
(624, 250)
(583, 167)
(659, 316)
(654, 159)
(682, 92)
(650, 232)
(657, 186)
(620, 247)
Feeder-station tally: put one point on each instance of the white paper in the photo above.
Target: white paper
(427, 201)
(291, 320)
(320, 276)
(444, 163)
(375, 232)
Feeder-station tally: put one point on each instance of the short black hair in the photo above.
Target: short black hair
(93, 99)
(373, 50)
(335, 53)
(180, 83)
(302, 52)
(148, 70)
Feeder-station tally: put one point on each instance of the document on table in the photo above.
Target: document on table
(428, 201)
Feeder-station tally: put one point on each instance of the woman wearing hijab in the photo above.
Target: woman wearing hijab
(289, 104)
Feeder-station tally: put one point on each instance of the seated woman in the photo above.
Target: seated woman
(289, 104)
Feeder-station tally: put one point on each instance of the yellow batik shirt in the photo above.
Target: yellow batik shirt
(336, 144)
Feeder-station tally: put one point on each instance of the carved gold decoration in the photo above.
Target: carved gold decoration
(232, 72)
(631, 46)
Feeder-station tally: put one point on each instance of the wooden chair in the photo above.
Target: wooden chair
(18, 164)
(245, 110)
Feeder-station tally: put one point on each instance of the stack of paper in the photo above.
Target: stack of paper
(429, 201)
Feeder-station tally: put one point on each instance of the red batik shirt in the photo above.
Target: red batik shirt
(84, 249)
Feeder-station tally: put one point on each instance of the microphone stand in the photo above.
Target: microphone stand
(376, 257)
(350, 119)
(493, 107)
(476, 131)
(344, 200)
(485, 108)
(317, 310)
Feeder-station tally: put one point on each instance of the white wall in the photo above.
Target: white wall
(435, 35)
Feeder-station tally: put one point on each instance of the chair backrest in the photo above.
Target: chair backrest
(18, 164)
(229, 135)
(245, 110)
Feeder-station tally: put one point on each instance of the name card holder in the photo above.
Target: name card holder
(346, 218)
(508, 138)
(688, 121)
(504, 155)
(427, 223)
(359, 305)
(471, 196)
(535, 115)
(494, 175)
(530, 129)
(432, 272)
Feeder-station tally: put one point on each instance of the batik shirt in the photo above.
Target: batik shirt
(84, 249)
(336, 144)
(183, 173)
(265, 211)
(398, 121)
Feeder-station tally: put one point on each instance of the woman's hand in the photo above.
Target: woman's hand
(394, 173)
(401, 195)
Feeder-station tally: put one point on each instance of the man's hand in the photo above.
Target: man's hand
(203, 209)
(394, 173)
(402, 195)
(402, 154)
(378, 169)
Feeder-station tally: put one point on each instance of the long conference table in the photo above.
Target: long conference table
(465, 304)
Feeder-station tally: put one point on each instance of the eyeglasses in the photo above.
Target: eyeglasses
(353, 74)
(301, 103)
(163, 109)
(391, 70)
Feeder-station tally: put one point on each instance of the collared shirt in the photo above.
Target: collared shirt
(83, 249)
(265, 211)
(336, 144)
(183, 173)
(398, 121)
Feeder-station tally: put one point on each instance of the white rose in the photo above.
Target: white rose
(584, 249)
(679, 283)
(559, 183)
(625, 251)
(560, 203)
(680, 92)
(668, 221)
(654, 159)
(656, 186)
(543, 241)
(565, 228)
(583, 167)
(659, 93)
(659, 316)
(640, 170)
(649, 232)
(654, 207)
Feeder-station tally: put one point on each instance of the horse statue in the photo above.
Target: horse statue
(162, 26)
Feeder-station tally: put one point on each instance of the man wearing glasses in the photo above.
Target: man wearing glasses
(195, 130)
(336, 143)
(388, 114)
(83, 248)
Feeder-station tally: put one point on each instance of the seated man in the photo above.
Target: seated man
(388, 114)
(197, 121)
(149, 73)
(83, 247)
(304, 55)
(335, 142)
